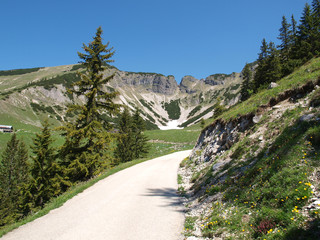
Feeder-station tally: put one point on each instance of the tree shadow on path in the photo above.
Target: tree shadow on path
(170, 194)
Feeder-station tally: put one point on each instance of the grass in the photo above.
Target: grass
(261, 193)
(269, 195)
(310, 71)
(174, 135)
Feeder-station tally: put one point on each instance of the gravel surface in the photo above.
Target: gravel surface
(137, 203)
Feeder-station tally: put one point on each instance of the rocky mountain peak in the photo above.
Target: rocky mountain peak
(186, 85)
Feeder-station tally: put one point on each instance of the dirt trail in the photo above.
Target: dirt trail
(137, 203)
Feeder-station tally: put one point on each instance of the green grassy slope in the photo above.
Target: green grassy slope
(263, 185)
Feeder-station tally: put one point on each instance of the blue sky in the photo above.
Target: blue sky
(172, 37)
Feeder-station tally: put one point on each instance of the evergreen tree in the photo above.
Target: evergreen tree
(316, 23)
(284, 37)
(140, 146)
(259, 77)
(45, 179)
(87, 139)
(125, 140)
(304, 46)
(273, 65)
(293, 31)
(246, 87)
(13, 179)
(269, 66)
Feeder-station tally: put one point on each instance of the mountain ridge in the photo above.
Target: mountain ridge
(43, 91)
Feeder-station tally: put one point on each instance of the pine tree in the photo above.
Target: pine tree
(246, 87)
(269, 66)
(316, 24)
(293, 31)
(284, 37)
(140, 146)
(84, 151)
(125, 140)
(13, 179)
(273, 65)
(304, 46)
(259, 77)
(45, 179)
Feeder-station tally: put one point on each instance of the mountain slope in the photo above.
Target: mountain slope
(254, 172)
(29, 95)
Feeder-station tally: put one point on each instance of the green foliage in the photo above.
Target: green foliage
(13, 180)
(124, 151)
(246, 84)
(173, 109)
(194, 111)
(197, 117)
(140, 146)
(18, 71)
(87, 139)
(131, 141)
(149, 106)
(295, 80)
(65, 79)
(77, 67)
(315, 99)
(218, 108)
(45, 171)
(269, 67)
(202, 123)
(41, 108)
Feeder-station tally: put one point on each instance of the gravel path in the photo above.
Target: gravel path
(137, 203)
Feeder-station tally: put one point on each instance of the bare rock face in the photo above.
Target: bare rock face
(219, 137)
(156, 83)
(219, 79)
(187, 83)
(164, 85)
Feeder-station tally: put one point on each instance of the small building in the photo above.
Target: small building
(6, 129)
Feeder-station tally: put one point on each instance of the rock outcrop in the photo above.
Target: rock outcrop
(186, 85)
(154, 82)
(220, 136)
(220, 79)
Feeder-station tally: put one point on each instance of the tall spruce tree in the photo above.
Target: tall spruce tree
(273, 64)
(259, 77)
(140, 145)
(13, 180)
(284, 37)
(124, 151)
(316, 23)
(304, 47)
(246, 87)
(45, 171)
(86, 141)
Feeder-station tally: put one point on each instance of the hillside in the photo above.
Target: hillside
(254, 172)
(29, 95)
